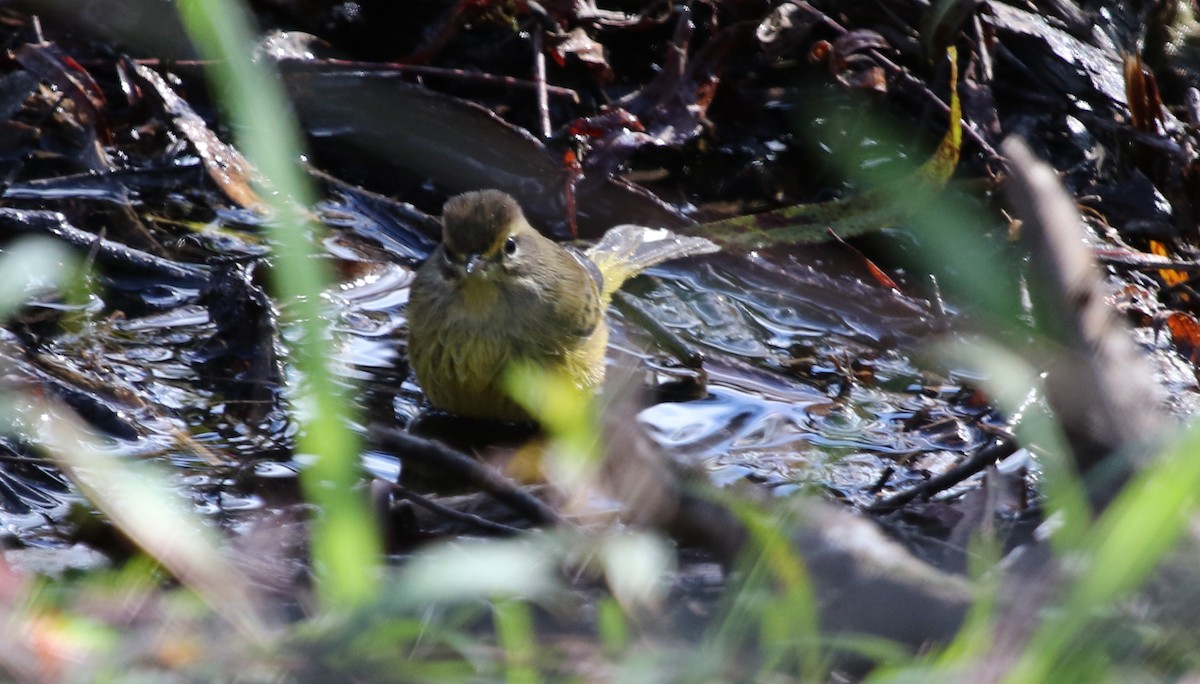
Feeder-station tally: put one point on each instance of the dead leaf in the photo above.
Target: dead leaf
(591, 53)
(1170, 277)
(1185, 334)
(232, 172)
(52, 65)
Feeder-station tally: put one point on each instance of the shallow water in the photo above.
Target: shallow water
(810, 382)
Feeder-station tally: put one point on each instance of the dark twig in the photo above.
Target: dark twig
(685, 354)
(453, 514)
(473, 472)
(382, 68)
(1143, 261)
(105, 251)
(539, 79)
(973, 464)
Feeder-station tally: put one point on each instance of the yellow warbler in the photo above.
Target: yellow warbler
(496, 291)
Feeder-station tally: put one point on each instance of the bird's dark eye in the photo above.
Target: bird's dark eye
(510, 246)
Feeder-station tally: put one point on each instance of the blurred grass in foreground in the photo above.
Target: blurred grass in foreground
(345, 546)
(424, 624)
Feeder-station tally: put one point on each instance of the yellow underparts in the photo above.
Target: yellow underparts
(465, 374)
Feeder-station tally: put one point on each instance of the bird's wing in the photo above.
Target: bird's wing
(627, 250)
(562, 308)
(588, 264)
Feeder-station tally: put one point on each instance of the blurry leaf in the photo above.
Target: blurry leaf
(1017, 390)
(566, 412)
(29, 266)
(611, 625)
(1142, 524)
(470, 572)
(142, 504)
(773, 605)
(345, 545)
(61, 641)
(636, 566)
(557, 402)
(873, 210)
(514, 631)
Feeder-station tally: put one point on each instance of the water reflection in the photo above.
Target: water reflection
(809, 380)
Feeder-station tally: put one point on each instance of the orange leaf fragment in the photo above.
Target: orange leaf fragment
(1185, 334)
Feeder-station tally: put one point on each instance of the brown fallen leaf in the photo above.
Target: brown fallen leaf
(1185, 334)
(587, 51)
(233, 173)
(52, 65)
(1171, 277)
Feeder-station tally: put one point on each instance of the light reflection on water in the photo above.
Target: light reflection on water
(783, 341)
(809, 380)
(784, 406)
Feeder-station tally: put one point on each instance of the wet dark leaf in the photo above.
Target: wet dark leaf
(871, 211)
(1135, 205)
(943, 21)
(851, 60)
(669, 110)
(28, 484)
(1056, 61)
(785, 29)
(241, 360)
(15, 88)
(55, 67)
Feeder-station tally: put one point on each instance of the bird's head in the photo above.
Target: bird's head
(484, 233)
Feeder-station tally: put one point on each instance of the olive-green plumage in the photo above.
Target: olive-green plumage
(497, 291)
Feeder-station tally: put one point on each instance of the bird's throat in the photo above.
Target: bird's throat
(479, 293)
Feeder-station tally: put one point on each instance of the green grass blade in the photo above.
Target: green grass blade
(345, 545)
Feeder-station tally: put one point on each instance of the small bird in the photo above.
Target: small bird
(496, 291)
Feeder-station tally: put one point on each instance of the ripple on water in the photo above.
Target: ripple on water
(818, 424)
(784, 406)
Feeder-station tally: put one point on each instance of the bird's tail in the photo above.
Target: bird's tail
(627, 250)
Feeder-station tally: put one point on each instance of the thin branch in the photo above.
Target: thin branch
(1001, 448)
(453, 514)
(472, 471)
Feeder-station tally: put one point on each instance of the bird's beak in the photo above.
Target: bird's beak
(474, 262)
